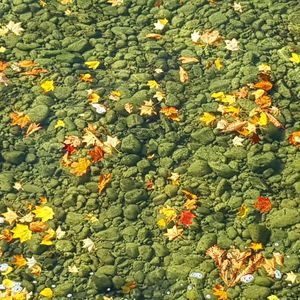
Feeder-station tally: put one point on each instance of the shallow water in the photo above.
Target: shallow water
(140, 139)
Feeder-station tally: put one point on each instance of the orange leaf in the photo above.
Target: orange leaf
(19, 118)
(81, 167)
(34, 72)
(97, 154)
(294, 138)
(37, 226)
(86, 77)
(32, 128)
(264, 101)
(263, 204)
(264, 85)
(19, 261)
(3, 65)
(103, 181)
(153, 36)
(170, 112)
(220, 292)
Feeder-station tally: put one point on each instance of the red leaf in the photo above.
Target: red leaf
(97, 154)
(69, 148)
(186, 218)
(263, 204)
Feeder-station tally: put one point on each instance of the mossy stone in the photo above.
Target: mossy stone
(63, 289)
(130, 160)
(131, 212)
(199, 168)
(109, 270)
(39, 113)
(110, 234)
(131, 250)
(78, 46)
(217, 19)
(130, 144)
(222, 169)
(102, 282)
(178, 272)
(165, 149)
(204, 136)
(134, 120)
(14, 157)
(32, 188)
(160, 249)
(259, 233)
(263, 281)
(64, 246)
(283, 218)
(135, 196)
(205, 242)
(261, 161)
(256, 292)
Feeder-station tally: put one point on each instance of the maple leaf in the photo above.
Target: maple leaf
(46, 292)
(189, 195)
(81, 167)
(34, 72)
(218, 64)
(210, 37)
(31, 262)
(14, 27)
(220, 292)
(291, 276)
(93, 64)
(147, 109)
(154, 36)
(195, 36)
(264, 101)
(86, 77)
(88, 244)
(6, 235)
(97, 154)
(153, 84)
(115, 95)
(4, 79)
(115, 2)
(47, 239)
(128, 107)
(237, 141)
(33, 127)
(3, 65)
(36, 270)
(243, 211)
(162, 223)
(237, 7)
(22, 232)
(188, 59)
(173, 233)
(183, 75)
(186, 218)
(59, 233)
(19, 261)
(93, 97)
(190, 204)
(256, 246)
(174, 178)
(37, 226)
(294, 138)
(110, 144)
(100, 109)
(19, 118)
(160, 24)
(89, 138)
(273, 297)
(64, 2)
(73, 269)
(48, 86)
(103, 181)
(263, 204)
(232, 45)
(207, 118)
(10, 216)
(264, 68)
(169, 213)
(170, 112)
(295, 58)
(45, 213)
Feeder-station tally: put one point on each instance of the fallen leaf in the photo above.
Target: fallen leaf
(264, 85)
(48, 238)
(48, 86)
(220, 292)
(189, 195)
(26, 63)
(195, 36)
(4, 79)
(218, 64)
(115, 95)
(242, 93)
(294, 138)
(264, 68)
(183, 75)
(19, 261)
(89, 138)
(232, 45)
(153, 84)
(2, 49)
(170, 112)
(169, 213)
(273, 120)
(256, 246)
(18, 186)
(128, 107)
(237, 141)
(173, 233)
(174, 178)
(291, 276)
(33, 127)
(46, 292)
(162, 223)
(295, 58)
(10, 216)
(110, 144)
(72, 140)
(73, 269)
(65, 2)
(207, 118)
(160, 24)
(263, 119)
(15, 27)
(45, 213)
(34, 72)
(6, 235)
(22, 232)
(220, 96)
(31, 262)
(234, 126)
(19, 118)
(86, 77)
(100, 109)
(186, 218)
(153, 36)
(3, 65)
(264, 101)
(93, 64)
(59, 233)
(37, 226)
(103, 181)
(147, 109)
(188, 59)
(88, 244)
(81, 167)
(263, 204)
(243, 211)
(93, 97)
(97, 154)
(115, 2)
(128, 286)
(36, 270)
(273, 297)
(190, 204)
(210, 37)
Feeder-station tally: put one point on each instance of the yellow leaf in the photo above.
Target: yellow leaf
(2, 49)
(93, 64)
(263, 119)
(170, 112)
(207, 118)
(59, 123)
(81, 167)
(190, 204)
(8, 283)
(22, 232)
(295, 58)
(48, 237)
(264, 68)
(220, 292)
(147, 109)
(173, 233)
(46, 292)
(153, 84)
(9, 270)
(273, 297)
(44, 212)
(86, 77)
(256, 246)
(162, 223)
(19, 118)
(115, 95)
(48, 86)
(169, 213)
(10, 216)
(258, 93)
(93, 97)
(218, 64)
(188, 59)
(291, 276)
(243, 211)
(19, 261)
(183, 75)
(220, 96)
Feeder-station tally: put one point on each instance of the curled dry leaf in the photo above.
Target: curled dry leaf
(234, 126)
(264, 85)
(26, 63)
(128, 107)
(170, 112)
(147, 109)
(294, 138)
(34, 72)
(210, 37)
(153, 36)
(33, 127)
(183, 75)
(220, 291)
(188, 59)
(103, 181)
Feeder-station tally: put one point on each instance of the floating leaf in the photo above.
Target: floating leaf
(37, 226)
(154, 36)
(295, 58)
(243, 211)
(256, 246)
(48, 86)
(263, 204)
(93, 64)
(264, 101)
(264, 85)
(86, 77)
(33, 127)
(263, 119)
(15, 27)
(173, 233)
(186, 218)
(10, 216)
(46, 292)
(291, 276)
(220, 292)
(147, 109)
(115, 95)
(170, 112)
(183, 75)
(19, 261)
(22, 232)
(153, 84)
(232, 45)
(237, 141)
(88, 244)
(97, 154)
(210, 37)
(188, 59)
(207, 118)
(45, 213)
(195, 36)
(103, 181)
(218, 64)
(19, 118)
(48, 238)
(81, 167)
(169, 213)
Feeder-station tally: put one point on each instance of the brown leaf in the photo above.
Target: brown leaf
(154, 36)
(170, 112)
(183, 75)
(103, 181)
(274, 121)
(210, 37)
(97, 154)
(37, 226)
(264, 101)
(264, 85)
(234, 126)
(34, 72)
(188, 59)
(33, 127)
